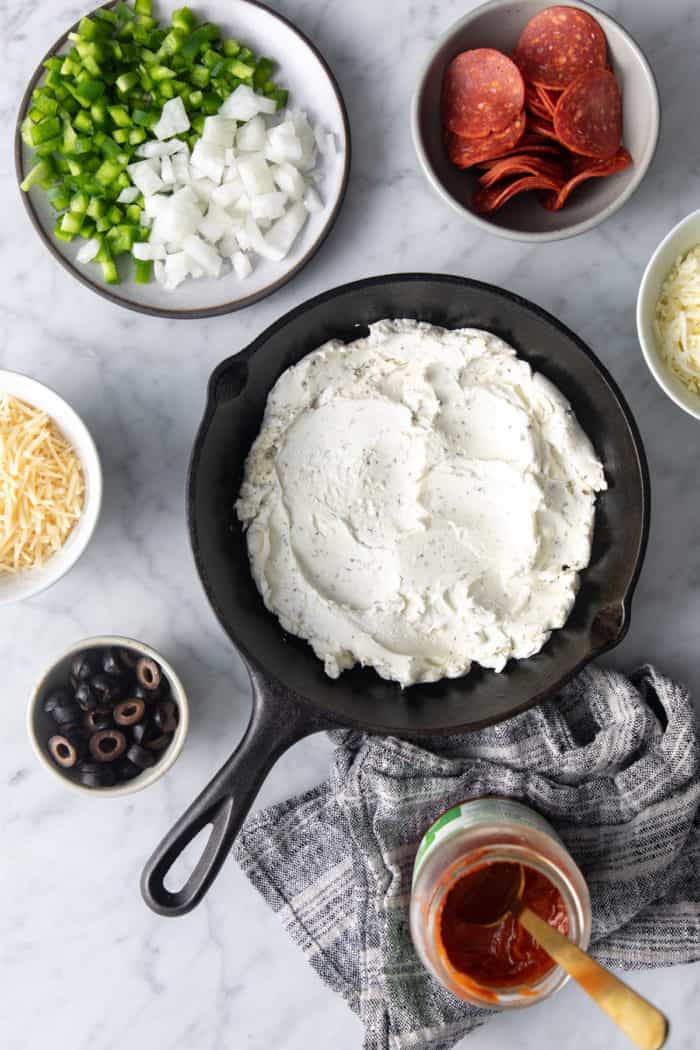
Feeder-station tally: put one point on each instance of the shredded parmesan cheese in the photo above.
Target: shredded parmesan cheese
(41, 486)
(677, 320)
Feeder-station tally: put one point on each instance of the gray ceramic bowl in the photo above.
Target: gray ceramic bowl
(498, 24)
(40, 725)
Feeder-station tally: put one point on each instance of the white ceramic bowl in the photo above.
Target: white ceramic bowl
(498, 24)
(312, 87)
(41, 726)
(678, 241)
(14, 588)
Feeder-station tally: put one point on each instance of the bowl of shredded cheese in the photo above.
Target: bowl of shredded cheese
(50, 487)
(668, 314)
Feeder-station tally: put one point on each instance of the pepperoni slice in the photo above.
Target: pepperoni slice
(535, 104)
(487, 200)
(467, 152)
(559, 44)
(541, 127)
(520, 164)
(482, 93)
(588, 117)
(548, 99)
(587, 169)
(528, 145)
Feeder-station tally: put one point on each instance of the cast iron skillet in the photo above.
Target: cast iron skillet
(292, 697)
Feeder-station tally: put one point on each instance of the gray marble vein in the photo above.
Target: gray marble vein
(83, 963)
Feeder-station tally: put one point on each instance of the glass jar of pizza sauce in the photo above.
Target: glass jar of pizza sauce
(460, 862)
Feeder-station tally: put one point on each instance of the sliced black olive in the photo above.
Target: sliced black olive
(129, 658)
(139, 693)
(129, 712)
(85, 698)
(66, 715)
(159, 743)
(126, 770)
(148, 673)
(111, 663)
(140, 756)
(140, 731)
(85, 665)
(77, 737)
(88, 766)
(107, 688)
(57, 698)
(73, 727)
(63, 751)
(100, 718)
(107, 745)
(165, 716)
(95, 774)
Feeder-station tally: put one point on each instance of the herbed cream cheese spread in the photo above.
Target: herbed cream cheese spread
(417, 500)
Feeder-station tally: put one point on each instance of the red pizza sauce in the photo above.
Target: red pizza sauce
(502, 954)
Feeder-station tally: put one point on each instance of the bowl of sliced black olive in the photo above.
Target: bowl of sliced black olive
(110, 716)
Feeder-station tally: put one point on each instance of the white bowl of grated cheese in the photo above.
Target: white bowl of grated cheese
(668, 314)
(48, 513)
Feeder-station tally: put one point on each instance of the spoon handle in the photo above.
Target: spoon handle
(638, 1019)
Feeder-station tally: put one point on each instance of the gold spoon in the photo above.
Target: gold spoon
(635, 1016)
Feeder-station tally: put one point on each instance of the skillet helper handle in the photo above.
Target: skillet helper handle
(277, 721)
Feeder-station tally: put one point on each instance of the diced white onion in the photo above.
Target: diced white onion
(215, 224)
(173, 119)
(88, 251)
(153, 148)
(255, 174)
(244, 103)
(312, 201)
(203, 255)
(166, 171)
(259, 244)
(144, 178)
(203, 189)
(128, 195)
(251, 135)
(289, 180)
(175, 270)
(220, 131)
(228, 244)
(228, 193)
(306, 137)
(181, 168)
(241, 265)
(268, 205)
(147, 250)
(283, 144)
(283, 232)
(209, 159)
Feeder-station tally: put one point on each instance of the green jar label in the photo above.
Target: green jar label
(474, 813)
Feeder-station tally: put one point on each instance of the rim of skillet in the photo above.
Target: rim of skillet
(195, 313)
(504, 231)
(255, 667)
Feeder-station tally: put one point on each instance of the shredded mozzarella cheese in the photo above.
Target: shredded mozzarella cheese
(677, 320)
(42, 488)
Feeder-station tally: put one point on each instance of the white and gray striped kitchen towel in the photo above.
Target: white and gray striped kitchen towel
(613, 763)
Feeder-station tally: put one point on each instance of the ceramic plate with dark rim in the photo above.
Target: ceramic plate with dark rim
(312, 87)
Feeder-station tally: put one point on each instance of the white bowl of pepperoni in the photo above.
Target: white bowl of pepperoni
(536, 122)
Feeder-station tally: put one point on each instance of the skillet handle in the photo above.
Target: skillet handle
(278, 720)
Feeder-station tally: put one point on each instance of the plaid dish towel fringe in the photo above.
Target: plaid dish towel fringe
(612, 762)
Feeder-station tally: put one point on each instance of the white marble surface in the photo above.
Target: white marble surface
(82, 961)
